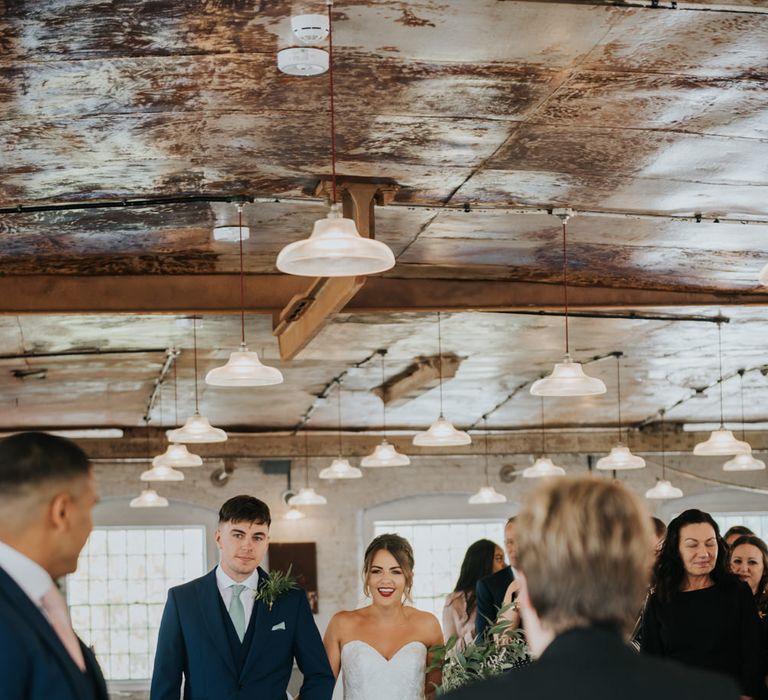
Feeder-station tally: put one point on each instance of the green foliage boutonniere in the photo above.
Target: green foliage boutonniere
(275, 585)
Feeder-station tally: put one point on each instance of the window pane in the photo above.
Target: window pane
(119, 590)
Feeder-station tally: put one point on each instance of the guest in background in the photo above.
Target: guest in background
(585, 561)
(749, 561)
(733, 533)
(490, 591)
(482, 559)
(660, 532)
(699, 613)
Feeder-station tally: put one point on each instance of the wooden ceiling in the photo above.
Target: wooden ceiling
(124, 126)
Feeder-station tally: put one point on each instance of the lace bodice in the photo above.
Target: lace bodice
(369, 676)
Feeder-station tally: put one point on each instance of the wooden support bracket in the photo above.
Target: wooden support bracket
(306, 314)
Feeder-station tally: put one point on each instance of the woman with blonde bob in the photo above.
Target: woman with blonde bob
(585, 562)
(382, 649)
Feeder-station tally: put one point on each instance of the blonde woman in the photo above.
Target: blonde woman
(382, 649)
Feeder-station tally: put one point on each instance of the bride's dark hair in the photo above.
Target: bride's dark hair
(400, 549)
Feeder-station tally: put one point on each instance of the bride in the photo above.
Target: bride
(382, 649)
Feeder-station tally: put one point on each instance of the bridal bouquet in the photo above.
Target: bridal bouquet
(503, 650)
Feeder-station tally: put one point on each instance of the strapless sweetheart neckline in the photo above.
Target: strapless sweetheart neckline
(369, 675)
(407, 644)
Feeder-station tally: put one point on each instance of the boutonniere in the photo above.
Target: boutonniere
(275, 586)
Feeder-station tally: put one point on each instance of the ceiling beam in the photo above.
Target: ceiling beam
(268, 294)
(140, 444)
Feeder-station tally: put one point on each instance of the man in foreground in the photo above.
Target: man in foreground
(47, 492)
(233, 634)
(584, 569)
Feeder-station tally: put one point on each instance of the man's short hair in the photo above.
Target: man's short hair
(29, 460)
(245, 509)
(583, 547)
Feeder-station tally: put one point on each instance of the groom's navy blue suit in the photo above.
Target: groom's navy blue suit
(197, 640)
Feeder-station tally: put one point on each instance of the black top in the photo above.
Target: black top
(716, 628)
(594, 664)
(489, 593)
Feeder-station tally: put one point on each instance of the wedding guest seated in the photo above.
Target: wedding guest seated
(490, 591)
(482, 559)
(699, 613)
(734, 532)
(584, 563)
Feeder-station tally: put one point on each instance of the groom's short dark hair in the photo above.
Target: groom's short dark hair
(245, 509)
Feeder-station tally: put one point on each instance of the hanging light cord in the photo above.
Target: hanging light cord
(663, 451)
(565, 286)
(175, 395)
(306, 459)
(741, 382)
(338, 412)
(720, 358)
(333, 117)
(383, 403)
(543, 438)
(194, 345)
(487, 477)
(242, 276)
(440, 361)
(618, 389)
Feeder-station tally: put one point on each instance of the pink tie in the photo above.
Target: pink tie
(58, 616)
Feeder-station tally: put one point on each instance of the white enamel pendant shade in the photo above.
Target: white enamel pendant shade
(568, 379)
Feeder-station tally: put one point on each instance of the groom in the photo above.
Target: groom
(226, 644)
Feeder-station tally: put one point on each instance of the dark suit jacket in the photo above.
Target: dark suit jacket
(594, 664)
(489, 593)
(193, 643)
(34, 665)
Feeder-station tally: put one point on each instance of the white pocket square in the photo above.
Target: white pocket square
(279, 626)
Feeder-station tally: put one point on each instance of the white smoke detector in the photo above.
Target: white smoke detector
(302, 61)
(310, 29)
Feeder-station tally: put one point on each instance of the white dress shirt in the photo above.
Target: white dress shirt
(251, 584)
(32, 578)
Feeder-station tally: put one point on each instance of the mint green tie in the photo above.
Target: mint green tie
(237, 611)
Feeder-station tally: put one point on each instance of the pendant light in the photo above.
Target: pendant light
(441, 433)
(161, 473)
(197, 429)
(244, 368)
(384, 454)
(568, 377)
(149, 499)
(335, 248)
(745, 462)
(663, 490)
(620, 456)
(721, 441)
(543, 466)
(340, 467)
(486, 494)
(307, 495)
(177, 455)
(294, 514)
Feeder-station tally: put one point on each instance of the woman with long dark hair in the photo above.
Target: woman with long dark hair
(482, 559)
(699, 613)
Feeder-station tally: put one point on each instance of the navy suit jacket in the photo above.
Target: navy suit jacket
(193, 644)
(489, 593)
(34, 665)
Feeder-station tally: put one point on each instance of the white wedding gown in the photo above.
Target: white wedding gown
(368, 675)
